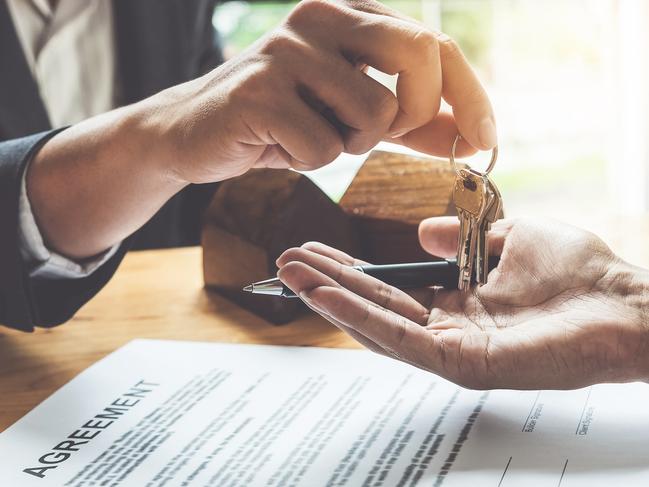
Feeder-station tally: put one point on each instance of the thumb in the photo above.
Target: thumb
(438, 236)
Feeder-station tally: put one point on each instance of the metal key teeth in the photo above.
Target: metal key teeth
(491, 215)
(478, 203)
(470, 198)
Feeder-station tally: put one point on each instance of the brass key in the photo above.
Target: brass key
(470, 199)
(478, 203)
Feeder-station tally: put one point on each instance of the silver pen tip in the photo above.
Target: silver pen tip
(249, 289)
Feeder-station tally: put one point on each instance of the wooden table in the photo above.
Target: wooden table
(155, 294)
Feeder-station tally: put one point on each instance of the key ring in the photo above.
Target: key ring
(492, 163)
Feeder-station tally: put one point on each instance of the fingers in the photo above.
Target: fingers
(463, 91)
(396, 46)
(357, 107)
(350, 300)
(320, 248)
(436, 138)
(323, 44)
(307, 137)
(335, 274)
(438, 236)
(395, 334)
(429, 65)
(360, 107)
(448, 352)
(362, 339)
(363, 108)
(309, 278)
(300, 278)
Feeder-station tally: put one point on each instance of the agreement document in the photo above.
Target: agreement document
(167, 413)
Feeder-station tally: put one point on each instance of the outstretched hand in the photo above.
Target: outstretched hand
(560, 311)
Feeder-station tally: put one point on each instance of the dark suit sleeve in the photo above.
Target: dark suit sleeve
(26, 302)
(211, 46)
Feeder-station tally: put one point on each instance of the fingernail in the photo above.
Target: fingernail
(487, 133)
(441, 36)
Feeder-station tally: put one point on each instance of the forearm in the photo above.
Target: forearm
(97, 182)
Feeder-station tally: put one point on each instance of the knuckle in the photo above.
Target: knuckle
(379, 109)
(426, 43)
(309, 10)
(381, 106)
(386, 295)
(326, 152)
(387, 107)
(312, 245)
(448, 47)
(281, 43)
(292, 269)
(339, 272)
(294, 254)
(400, 332)
(357, 145)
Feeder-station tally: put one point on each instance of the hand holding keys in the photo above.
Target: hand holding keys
(478, 203)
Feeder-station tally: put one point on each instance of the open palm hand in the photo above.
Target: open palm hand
(560, 310)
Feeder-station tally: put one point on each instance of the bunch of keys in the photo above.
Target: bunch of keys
(479, 204)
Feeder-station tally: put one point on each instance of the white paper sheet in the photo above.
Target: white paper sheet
(163, 413)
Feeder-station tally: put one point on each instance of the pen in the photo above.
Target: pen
(403, 276)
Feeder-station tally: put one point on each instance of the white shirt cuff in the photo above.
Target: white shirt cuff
(41, 261)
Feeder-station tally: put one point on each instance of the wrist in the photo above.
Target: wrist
(203, 131)
(166, 119)
(97, 182)
(147, 127)
(126, 139)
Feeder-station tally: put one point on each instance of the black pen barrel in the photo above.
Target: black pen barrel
(415, 275)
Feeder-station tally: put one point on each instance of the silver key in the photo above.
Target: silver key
(481, 252)
(481, 260)
(482, 246)
(470, 199)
